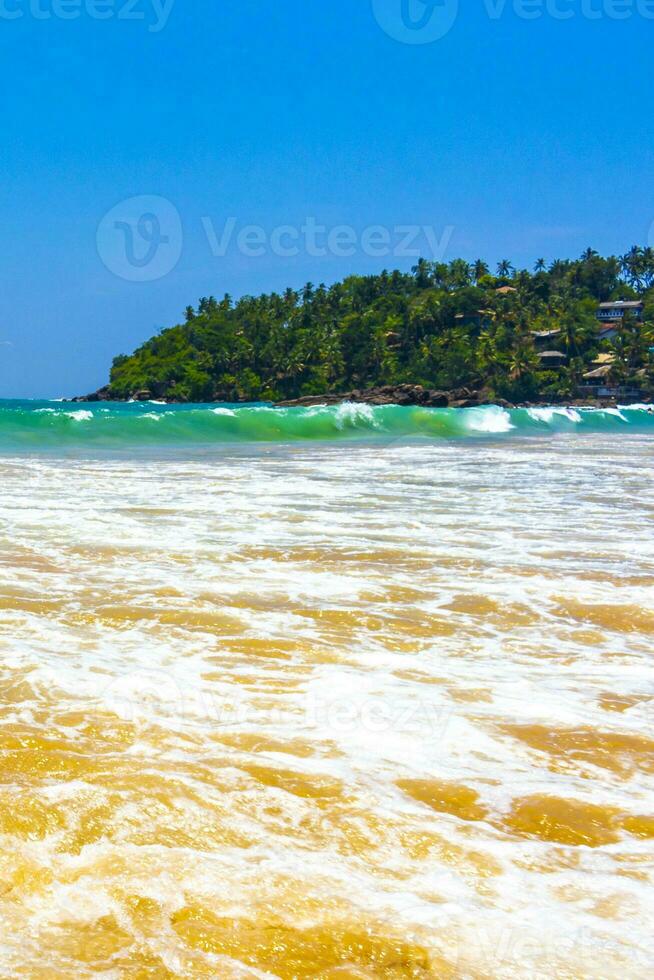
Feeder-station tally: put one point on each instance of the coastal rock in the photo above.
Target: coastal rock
(405, 394)
(438, 399)
(307, 401)
(465, 403)
(101, 395)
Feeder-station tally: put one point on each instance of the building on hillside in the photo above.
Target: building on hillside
(480, 319)
(600, 382)
(607, 331)
(598, 376)
(552, 358)
(505, 290)
(544, 337)
(615, 310)
(603, 360)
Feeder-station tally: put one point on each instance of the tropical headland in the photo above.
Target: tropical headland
(452, 334)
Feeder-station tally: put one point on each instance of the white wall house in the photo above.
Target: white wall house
(616, 309)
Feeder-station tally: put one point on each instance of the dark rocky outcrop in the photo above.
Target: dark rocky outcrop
(384, 395)
(101, 395)
(104, 395)
(404, 394)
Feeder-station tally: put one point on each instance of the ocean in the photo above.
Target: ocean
(342, 692)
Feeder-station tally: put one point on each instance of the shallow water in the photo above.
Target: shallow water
(328, 709)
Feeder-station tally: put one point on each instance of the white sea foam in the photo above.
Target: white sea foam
(548, 415)
(616, 412)
(81, 415)
(404, 610)
(489, 419)
(350, 413)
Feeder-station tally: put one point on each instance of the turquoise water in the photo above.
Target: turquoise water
(29, 425)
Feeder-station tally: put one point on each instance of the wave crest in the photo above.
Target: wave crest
(32, 425)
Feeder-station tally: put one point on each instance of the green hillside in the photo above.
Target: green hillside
(443, 326)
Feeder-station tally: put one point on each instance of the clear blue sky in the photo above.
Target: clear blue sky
(528, 138)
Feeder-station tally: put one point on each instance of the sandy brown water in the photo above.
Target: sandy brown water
(328, 711)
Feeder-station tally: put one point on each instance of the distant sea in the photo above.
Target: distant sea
(326, 692)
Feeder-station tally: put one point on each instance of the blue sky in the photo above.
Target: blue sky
(508, 137)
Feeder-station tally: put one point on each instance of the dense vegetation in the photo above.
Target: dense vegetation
(424, 327)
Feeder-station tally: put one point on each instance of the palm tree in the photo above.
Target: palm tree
(523, 360)
(632, 266)
(557, 268)
(648, 266)
(577, 329)
(487, 359)
(522, 278)
(479, 270)
(630, 345)
(421, 272)
(459, 273)
(504, 268)
(540, 265)
(440, 275)
(638, 266)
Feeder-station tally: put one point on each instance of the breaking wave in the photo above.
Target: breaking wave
(43, 425)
